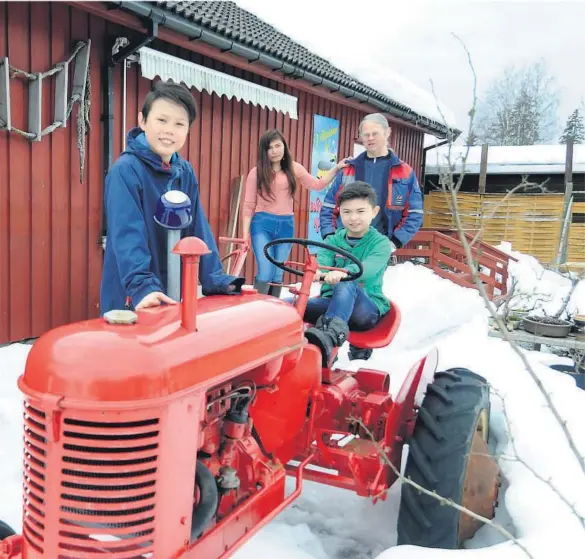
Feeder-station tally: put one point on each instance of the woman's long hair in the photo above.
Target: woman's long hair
(264, 167)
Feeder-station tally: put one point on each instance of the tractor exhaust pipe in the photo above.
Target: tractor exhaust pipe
(190, 249)
(173, 213)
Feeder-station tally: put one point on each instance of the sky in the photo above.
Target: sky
(414, 39)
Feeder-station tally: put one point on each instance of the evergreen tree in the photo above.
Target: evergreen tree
(575, 129)
(524, 122)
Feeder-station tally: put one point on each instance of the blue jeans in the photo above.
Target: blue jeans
(267, 227)
(348, 302)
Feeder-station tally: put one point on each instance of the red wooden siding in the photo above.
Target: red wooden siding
(50, 262)
(50, 223)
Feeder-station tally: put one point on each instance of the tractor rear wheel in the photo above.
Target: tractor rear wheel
(448, 454)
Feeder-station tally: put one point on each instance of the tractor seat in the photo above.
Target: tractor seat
(381, 334)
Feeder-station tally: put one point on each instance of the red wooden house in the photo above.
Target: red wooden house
(51, 220)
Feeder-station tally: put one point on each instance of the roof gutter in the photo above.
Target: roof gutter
(196, 32)
(439, 144)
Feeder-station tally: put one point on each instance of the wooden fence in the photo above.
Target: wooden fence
(442, 252)
(532, 223)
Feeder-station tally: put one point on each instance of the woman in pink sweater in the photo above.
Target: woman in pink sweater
(268, 204)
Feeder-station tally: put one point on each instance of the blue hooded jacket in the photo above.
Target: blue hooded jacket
(135, 261)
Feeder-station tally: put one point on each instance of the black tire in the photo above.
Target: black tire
(5, 531)
(438, 457)
(205, 509)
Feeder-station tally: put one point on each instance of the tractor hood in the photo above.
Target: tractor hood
(156, 356)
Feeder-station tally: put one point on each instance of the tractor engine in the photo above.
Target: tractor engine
(231, 448)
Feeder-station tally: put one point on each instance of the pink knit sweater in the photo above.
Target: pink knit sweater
(282, 203)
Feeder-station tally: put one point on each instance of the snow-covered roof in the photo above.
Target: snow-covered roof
(533, 160)
(286, 34)
(399, 89)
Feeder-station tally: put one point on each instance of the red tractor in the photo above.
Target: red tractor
(169, 433)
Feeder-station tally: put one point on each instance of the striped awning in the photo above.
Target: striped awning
(154, 63)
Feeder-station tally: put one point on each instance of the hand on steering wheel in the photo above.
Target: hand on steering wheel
(351, 276)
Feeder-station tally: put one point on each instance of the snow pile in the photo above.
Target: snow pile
(539, 289)
(329, 523)
(12, 359)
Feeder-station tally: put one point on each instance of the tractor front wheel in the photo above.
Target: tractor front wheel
(448, 454)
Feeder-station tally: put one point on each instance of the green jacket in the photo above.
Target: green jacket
(373, 250)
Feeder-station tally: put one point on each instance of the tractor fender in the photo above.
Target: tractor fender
(411, 393)
(431, 362)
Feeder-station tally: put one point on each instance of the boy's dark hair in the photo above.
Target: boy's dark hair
(358, 189)
(177, 93)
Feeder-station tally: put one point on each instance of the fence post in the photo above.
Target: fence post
(433, 247)
(483, 169)
(566, 217)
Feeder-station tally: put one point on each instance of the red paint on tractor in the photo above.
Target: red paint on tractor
(123, 421)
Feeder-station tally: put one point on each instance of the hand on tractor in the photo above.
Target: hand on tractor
(334, 277)
(155, 299)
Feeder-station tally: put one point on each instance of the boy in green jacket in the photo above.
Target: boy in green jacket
(345, 305)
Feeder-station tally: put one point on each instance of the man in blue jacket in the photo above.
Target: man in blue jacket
(397, 191)
(134, 273)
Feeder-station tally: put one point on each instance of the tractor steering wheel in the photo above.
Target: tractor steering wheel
(351, 276)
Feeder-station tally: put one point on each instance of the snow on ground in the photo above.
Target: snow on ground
(328, 523)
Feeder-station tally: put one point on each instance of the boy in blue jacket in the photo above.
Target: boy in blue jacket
(134, 272)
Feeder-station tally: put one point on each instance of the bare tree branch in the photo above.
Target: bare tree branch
(504, 302)
(517, 458)
(453, 188)
(519, 108)
(565, 302)
(480, 286)
(524, 186)
(472, 114)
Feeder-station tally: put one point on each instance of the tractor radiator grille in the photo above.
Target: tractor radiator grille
(35, 465)
(108, 487)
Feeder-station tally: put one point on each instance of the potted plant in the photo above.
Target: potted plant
(547, 326)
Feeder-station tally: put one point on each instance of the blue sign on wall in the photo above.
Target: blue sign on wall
(323, 158)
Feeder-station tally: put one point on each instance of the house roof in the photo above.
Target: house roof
(231, 22)
(512, 160)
